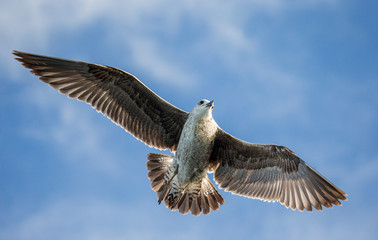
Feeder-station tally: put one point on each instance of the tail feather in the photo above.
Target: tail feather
(158, 165)
(207, 199)
(196, 197)
(211, 193)
(196, 206)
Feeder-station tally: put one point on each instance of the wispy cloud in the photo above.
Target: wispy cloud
(90, 218)
(34, 25)
(85, 220)
(149, 56)
(80, 139)
(320, 226)
(228, 38)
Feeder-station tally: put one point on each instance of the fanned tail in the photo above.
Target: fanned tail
(209, 198)
(195, 197)
(158, 165)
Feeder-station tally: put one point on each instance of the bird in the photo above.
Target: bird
(198, 145)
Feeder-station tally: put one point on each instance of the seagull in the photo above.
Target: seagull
(267, 172)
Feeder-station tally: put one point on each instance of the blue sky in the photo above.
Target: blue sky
(303, 74)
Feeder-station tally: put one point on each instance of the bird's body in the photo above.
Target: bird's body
(195, 146)
(199, 145)
(191, 160)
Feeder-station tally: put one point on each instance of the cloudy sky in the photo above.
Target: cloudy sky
(303, 74)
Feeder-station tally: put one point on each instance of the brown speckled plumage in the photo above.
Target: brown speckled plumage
(266, 172)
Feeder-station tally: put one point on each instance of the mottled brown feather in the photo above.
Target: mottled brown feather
(115, 93)
(270, 173)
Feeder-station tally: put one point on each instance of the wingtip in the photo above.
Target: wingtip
(20, 56)
(17, 53)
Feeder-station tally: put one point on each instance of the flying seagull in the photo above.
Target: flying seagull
(199, 145)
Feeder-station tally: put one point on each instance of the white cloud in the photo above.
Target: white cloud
(80, 139)
(149, 56)
(33, 25)
(86, 218)
(82, 219)
(132, 26)
(329, 224)
(99, 218)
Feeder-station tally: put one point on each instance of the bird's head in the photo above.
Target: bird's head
(204, 108)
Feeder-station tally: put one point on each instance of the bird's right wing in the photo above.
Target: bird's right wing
(115, 93)
(270, 173)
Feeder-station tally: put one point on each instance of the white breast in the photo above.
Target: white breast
(194, 148)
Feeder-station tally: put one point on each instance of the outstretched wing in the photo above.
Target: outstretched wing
(270, 173)
(115, 93)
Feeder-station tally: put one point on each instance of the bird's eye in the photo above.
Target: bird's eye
(201, 102)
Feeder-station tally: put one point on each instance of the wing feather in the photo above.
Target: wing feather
(115, 93)
(270, 173)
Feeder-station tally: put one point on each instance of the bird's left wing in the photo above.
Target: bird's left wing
(115, 93)
(270, 173)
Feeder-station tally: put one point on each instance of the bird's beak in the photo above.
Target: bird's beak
(210, 104)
